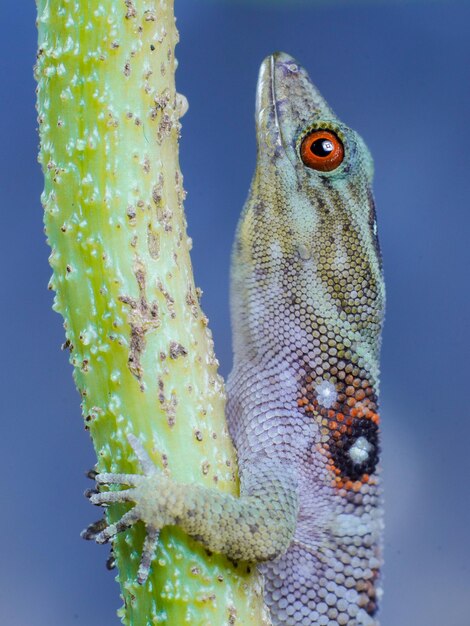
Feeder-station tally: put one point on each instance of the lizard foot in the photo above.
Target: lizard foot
(256, 526)
(144, 490)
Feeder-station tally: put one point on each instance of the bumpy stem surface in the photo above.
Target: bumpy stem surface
(141, 350)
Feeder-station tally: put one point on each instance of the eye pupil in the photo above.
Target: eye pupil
(321, 147)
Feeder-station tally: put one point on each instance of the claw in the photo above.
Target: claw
(111, 561)
(90, 532)
(148, 553)
(91, 474)
(110, 531)
(110, 497)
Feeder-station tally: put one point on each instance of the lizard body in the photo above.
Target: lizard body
(307, 309)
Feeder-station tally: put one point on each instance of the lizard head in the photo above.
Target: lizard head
(308, 235)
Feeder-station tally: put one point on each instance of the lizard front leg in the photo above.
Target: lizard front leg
(256, 526)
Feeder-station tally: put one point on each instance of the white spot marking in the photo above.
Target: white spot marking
(276, 251)
(304, 252)
(326, 394)
(359, 451)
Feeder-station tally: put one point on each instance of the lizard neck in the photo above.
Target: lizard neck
(305, 272)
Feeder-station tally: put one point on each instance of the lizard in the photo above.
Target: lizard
(307, 305)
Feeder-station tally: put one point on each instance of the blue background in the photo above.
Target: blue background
(399, 74)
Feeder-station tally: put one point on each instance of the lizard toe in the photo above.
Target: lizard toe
(148, 554)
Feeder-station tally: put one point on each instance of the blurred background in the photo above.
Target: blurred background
(398, 72)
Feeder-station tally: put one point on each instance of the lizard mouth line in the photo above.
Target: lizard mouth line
(267, 114)
(273, 98)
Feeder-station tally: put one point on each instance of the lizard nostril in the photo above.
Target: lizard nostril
(322, 150)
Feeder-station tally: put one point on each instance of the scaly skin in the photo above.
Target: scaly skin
(307, 308)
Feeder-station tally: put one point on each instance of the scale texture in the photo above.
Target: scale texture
(307, 310)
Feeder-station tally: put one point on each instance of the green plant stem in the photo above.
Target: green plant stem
(139, 344)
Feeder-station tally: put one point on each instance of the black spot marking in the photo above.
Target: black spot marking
(340, 449)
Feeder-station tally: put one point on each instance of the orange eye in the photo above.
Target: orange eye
(322, 150)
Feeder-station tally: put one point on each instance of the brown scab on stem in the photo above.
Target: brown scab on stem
(149, 15)
(176, 350)
(157, 192)
(169, 300)
(192, 302)
(168, 406)
(131, 11)
(153, 243)
(161, 102)
(143, 317)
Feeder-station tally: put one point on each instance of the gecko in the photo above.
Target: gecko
(307, 305)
